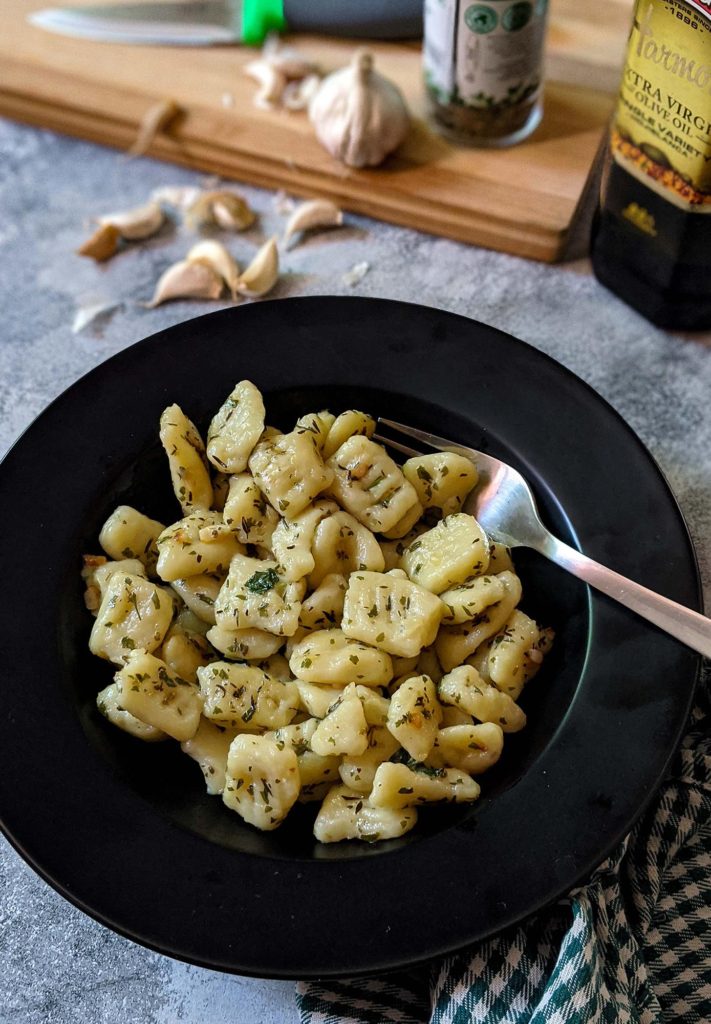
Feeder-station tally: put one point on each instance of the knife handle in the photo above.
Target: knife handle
(372, 19)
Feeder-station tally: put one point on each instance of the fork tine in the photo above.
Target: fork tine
(412, 452)
(433, 440)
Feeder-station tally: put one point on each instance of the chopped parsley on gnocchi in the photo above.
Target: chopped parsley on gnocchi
(320, 623)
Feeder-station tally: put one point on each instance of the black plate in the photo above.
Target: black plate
(125, 831)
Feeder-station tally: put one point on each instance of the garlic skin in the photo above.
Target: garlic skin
(262, 273)
(359, 115)
(187, 280)
(102, 245)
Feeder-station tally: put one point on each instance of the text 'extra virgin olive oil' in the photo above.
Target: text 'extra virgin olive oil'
(652, 242)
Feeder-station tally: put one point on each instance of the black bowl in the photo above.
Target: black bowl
(126, 831)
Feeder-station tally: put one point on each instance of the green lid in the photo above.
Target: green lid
(259, 18)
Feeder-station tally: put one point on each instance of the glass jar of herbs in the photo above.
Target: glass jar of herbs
(483, 66)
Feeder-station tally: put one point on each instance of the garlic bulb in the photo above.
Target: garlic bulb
(358, 114)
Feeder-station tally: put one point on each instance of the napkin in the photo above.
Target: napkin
(632, 945)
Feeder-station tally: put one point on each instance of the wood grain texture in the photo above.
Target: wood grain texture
(520, 200)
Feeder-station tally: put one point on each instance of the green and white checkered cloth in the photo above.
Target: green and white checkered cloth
(633, 944)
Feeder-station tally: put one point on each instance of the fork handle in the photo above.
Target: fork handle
(686, 625)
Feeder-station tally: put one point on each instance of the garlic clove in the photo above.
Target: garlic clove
(232, 213)
(271, 81)
(225, 209)
(359, 115)
(286, 59)
(316, 213)
(214, 255)
(186, 280)
(298, 93)
(102, 245)
(140, 222)
(262, 273)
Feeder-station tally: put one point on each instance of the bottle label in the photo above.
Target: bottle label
(662, 128)
(484, 54)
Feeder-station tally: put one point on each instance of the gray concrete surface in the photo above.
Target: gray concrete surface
(56, 965)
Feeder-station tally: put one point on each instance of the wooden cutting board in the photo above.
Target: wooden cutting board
(528, 200)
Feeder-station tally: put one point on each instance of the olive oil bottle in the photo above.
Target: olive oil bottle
(652, 238)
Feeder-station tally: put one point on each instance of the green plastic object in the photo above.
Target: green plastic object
(259, 18)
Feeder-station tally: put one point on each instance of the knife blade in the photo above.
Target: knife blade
(214, 22)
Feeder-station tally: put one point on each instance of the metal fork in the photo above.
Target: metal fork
(504, 505)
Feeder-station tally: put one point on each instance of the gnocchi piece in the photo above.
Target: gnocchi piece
(159, 697)
(318, 424)
(375, 706)
(397, 786)
(499, 558)
(455, 644)
(256, 596)
(324, 607)
(297, 735)
(247, 512)
(276, 665)
(184, 652)
(465, 689)
(341, 545)
(509, 665)
(393, 550)
(442, 480)
(450, 553)
(369, 485)
(244, 644)
(468, 600)
(403, 526)
(220, 490)
(289, 470)
(471, 748)
(315, 771)
(329, 656)
(344, 730)
(246, 698)
(128, 566)
(358, 771)
(406, 666)
(127, 533)
(344, 426)
(316, 699)
(190, 623)
(186, 457)
(236, 428)
(292, 540)
(347, 814)
(108, 701)
(199, 594)
(452, 715)
(134, 615)
(262, 781)
(183, 553)
(428, 664)
(209, 747)
(414, 716)
(390, 613)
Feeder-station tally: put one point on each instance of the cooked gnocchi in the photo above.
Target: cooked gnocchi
(319, 625)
